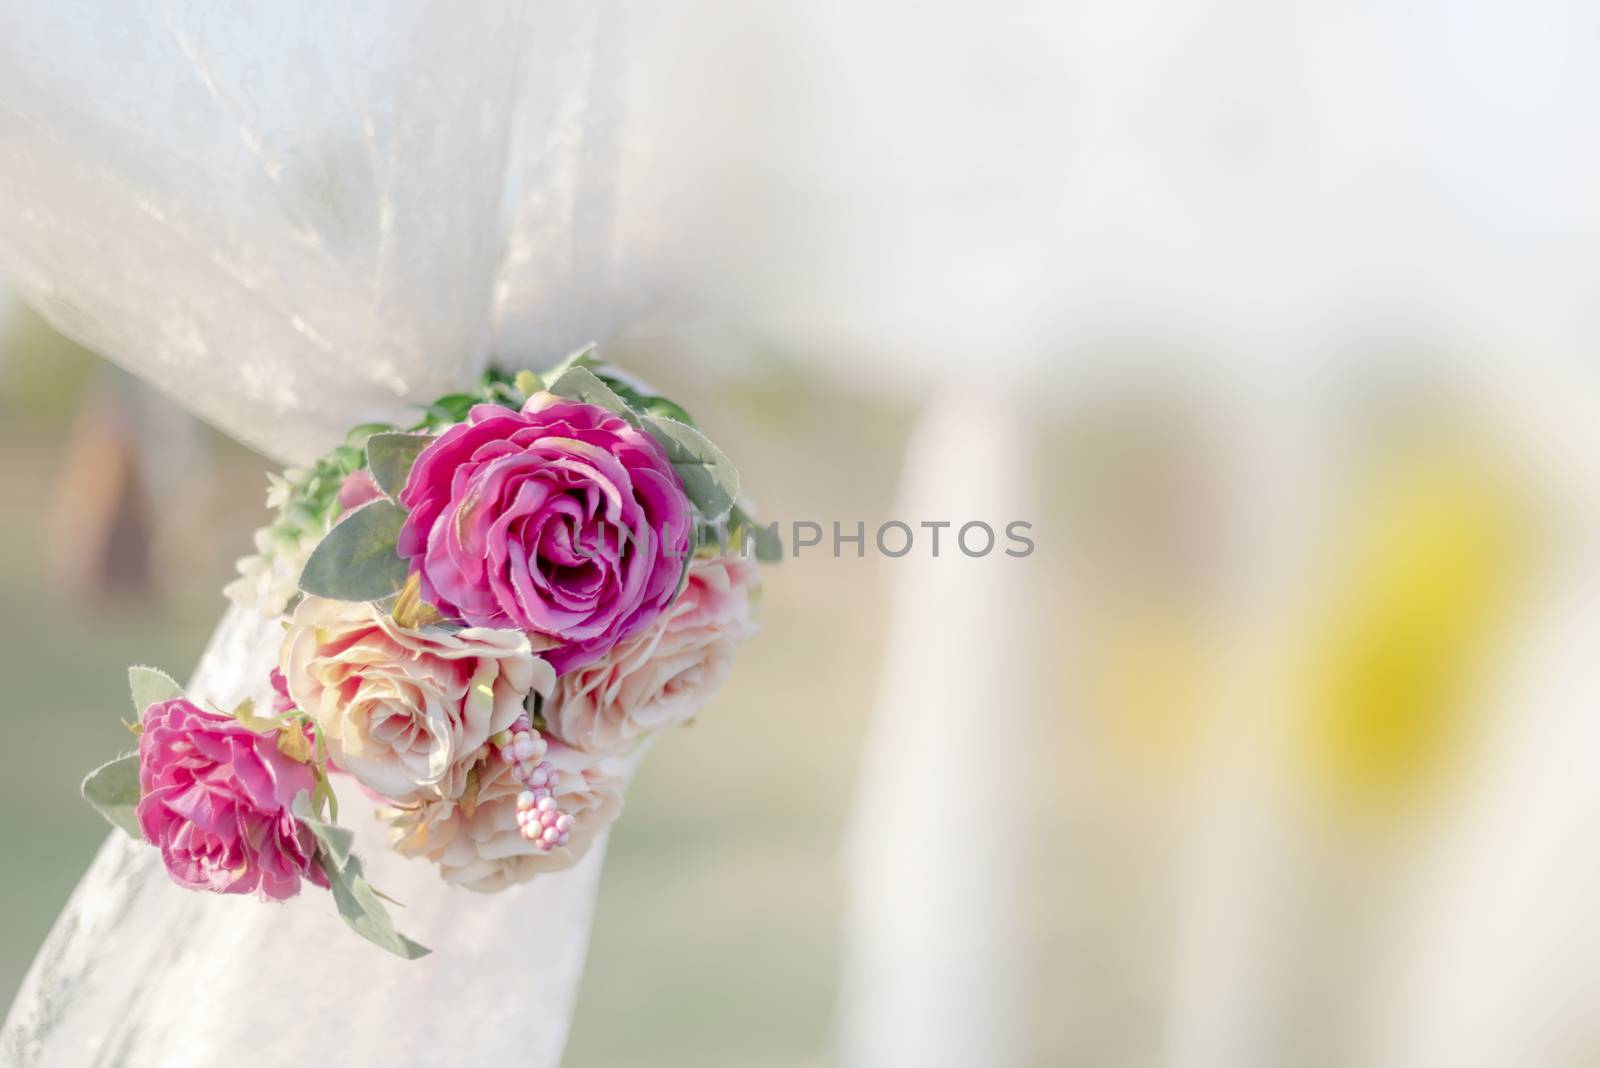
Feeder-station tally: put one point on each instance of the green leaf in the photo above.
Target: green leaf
(617, 391)
(149, 686)
(527, 383)
(346, 458)
(451, 408)
(768, 546)
(661, 406)
(323, 800)
(504, 394)
(580, 384)
(356, 560)
(245, 713)
(696, 541)
(709, 478)
(583, 357)
(113, 790)
(335, 841)
(359, 905)
(359, 435)
(640, 397)
(390, 456)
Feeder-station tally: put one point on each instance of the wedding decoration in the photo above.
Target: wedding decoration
(481, 610)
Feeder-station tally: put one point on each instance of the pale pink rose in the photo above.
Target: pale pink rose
(475, 839)
(406, 712)
(215, 797)
(662, 677)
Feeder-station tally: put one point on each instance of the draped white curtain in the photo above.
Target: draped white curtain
(296, 219)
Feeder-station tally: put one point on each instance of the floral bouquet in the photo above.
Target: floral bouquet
(481, 610)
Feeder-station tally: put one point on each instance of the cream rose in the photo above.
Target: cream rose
(474, 839)
(406, 711)
(662, 677)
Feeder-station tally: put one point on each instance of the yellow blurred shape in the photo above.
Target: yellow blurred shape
(1421, 584)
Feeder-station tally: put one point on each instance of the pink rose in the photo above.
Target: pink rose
(562, 519)
(475, 840)
(281, 701)
(662, 677)
(215, 797)
(405, 711)
(358, 488)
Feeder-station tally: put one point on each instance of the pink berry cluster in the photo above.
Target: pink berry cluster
(541, 822)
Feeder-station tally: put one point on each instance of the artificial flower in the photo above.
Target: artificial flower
(215, 796)
(476, 839)
(662, 677)
(561, 519)
(270, 579)
(404, 710)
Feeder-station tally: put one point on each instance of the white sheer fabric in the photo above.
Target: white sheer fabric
(140, 972)
(295, 221)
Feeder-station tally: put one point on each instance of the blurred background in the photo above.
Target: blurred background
(724, 923)
(1276, 322)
